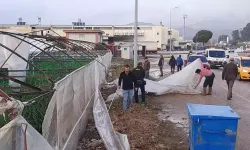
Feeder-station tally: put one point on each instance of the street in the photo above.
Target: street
(174, 106)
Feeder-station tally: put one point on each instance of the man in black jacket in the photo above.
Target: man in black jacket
(127, 80)
(229, 74)
(139, 75)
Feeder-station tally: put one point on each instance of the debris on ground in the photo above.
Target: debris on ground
(145, 131)
(91, 139)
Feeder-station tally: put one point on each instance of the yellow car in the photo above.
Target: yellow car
(243, 64)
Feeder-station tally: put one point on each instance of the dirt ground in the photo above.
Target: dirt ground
(145, 131)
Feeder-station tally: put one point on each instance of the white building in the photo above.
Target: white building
(154, 37)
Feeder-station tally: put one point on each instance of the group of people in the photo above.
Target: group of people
(131, 82)
(229, 73)
(172, 62)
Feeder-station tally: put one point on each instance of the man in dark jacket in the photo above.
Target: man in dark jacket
(146, 68)
(139, 75)
(179, 62)
(172, 63)
(229, 74)
(161, 64)
(127, 80)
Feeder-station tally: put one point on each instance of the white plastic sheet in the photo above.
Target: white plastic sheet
(112, 139)
(182, 82)
(68, 111)
(14, 62)
(12, 136)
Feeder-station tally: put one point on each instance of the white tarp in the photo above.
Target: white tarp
(14, 62)
(182, 82)
(112, 139)
(18, 133)
(12, 136)
(69, 109)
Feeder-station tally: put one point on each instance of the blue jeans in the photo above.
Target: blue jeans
(127, 99)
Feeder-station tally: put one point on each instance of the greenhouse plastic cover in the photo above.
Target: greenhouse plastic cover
(12, 135)
(35, 140)
(71, 105)
(182, 82)
(112, 139)
(14, 62)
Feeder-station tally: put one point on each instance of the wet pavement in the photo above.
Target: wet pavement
(174, 106)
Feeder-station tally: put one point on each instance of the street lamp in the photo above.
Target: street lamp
(170, 33)
(135, 33)
(184, 29)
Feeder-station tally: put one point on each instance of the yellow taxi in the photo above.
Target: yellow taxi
(243, 64)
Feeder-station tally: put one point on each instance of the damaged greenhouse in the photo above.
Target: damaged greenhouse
(53, 82)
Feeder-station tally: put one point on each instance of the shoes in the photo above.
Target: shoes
(229, 99)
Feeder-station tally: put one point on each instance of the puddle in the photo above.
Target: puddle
(179, 120)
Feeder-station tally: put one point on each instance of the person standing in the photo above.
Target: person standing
(179, 62)
(146, 68)
(126, 78)
(209, 75)
(161, 64)
(139, 75)
(229, 74)
(172, 63)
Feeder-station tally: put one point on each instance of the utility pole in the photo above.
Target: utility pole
(135, 33)
(170, 32)
(184, 29)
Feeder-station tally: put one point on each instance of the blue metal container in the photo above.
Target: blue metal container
(212, 127)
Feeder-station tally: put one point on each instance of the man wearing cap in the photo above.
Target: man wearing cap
(229, 74)
(146, 68)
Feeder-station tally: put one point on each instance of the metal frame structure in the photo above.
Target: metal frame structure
(53, 49)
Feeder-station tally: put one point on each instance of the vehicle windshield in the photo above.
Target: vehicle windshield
(245, 63)
(217, 54)
(193, 58)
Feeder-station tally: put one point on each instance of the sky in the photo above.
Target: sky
(109, 12)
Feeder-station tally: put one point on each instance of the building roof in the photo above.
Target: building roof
(83, 31)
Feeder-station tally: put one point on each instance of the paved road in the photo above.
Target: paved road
(174, 106)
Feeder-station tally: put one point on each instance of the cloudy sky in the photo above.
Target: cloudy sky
(236, 12)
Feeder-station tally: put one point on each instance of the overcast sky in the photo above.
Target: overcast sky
(122, 11)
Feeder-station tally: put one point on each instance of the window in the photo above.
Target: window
(193, 58)
(157, 33)
(97, 28)
(107, 34)
(157, 41)
(88, 28)
(245, 63)
(217, 54)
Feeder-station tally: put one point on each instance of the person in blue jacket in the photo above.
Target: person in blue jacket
(179, 62)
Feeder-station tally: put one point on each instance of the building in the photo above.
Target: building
(94, 36)
(154, 37)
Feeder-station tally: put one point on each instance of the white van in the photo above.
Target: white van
(216, 57)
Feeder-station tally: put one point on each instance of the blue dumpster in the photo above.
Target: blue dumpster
(212, 127)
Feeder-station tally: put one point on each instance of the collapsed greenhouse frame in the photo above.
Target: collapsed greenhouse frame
(51, 59)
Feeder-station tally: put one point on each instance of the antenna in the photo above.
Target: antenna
(20, 19)
(39, 20)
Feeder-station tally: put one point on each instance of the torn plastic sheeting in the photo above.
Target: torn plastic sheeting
(69, 109)
(12, 136)
(14, 62)
(112, 139)
(181, 82)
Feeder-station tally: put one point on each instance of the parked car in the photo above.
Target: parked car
(231, 50)
(243, 64)
(192, 58)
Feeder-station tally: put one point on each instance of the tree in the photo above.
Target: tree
(236, 35)
(245, 33)
(203, 36)
(222, 38)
